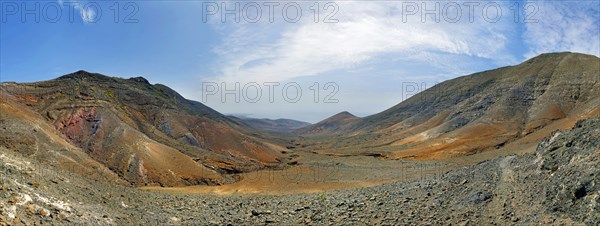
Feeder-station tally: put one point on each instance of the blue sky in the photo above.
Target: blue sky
(374, 53)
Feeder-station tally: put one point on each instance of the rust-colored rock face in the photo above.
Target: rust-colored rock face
(80, 125)
(146, 134)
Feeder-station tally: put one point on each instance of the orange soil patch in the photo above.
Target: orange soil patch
(158, 162)
(319, 173)
(161, 158)
(28, 98)
(460, 142)
(294, 180)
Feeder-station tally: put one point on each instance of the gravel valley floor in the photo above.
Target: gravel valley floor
(557, 184)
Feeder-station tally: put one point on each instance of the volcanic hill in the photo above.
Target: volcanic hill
(140, 133)
(509, 108)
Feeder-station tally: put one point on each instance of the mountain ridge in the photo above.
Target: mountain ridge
(486, 110)
(276, 126)
(134, 128)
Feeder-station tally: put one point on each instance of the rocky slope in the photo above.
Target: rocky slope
(146, 134)
(509, 108)
(558, 184)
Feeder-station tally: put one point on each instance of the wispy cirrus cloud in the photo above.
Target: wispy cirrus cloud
(366, 31)
(372, 51)
(565, 26)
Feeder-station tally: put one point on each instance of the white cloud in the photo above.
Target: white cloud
(87, 14)
(564, 26)
(371, 51)
(366, 30)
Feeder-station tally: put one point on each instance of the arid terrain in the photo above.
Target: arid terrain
(514, 145)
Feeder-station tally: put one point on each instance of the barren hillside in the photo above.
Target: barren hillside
(146, 134)
(511, 107)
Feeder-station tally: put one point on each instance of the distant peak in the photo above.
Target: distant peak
(81, 75)
(81, 72)
(345, 114)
